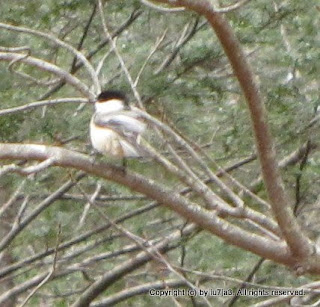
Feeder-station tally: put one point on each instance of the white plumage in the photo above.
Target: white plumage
(115, 130)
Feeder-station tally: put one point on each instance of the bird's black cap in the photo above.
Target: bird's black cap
(112, 94)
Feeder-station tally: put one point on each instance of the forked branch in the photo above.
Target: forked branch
(206, 219)
(46, 66)
(280, 201)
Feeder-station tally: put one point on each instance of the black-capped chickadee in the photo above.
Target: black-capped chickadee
(115, 129)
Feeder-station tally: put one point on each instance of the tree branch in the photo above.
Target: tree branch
(280, 201)
(7, 239)
(127, 293)
(46, 66)
(206, 219)
(79, 239)
(135, 14)
(128, 266)
(42, 103)
(62, 44)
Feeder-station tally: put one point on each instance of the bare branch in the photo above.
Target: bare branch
(280, 201)
(141, 243)
(313, 121)
(191, 211)
(51, 272)
(27, 76)
(138, 290)
(180, 7)
(88, 205)
(135, 14)
(113, 275)
(83, 37)
(22, 287)
(9, 269)
(249, 278)
(42, 103)
(182, 41)
(16, 49)
(7, 239)
(154, 49)
(32, 169)
(231, 8)
(117, 53)
(5, 206)
(162, 8)
(194, 155)
(60, 43)
(290, 159)
(46, 66)
(21, 212)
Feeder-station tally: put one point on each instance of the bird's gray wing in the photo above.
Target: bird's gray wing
(123, 124)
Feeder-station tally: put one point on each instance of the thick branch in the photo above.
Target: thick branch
(281, 203)
(206, 219)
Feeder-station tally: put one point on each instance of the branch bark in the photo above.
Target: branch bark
(62, 44)
(7, 239)
(42, 103)
(274, 250)
(110, 277)
(281, 203)
(46, 66)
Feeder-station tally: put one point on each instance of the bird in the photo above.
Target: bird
(116, 129)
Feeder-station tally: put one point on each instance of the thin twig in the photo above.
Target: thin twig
(182, 41)
(27, 76)
(156, 46)
(117, 53)
(141, 243)
(162, 8)
(7, 239)
(27, 170)
(250, 276)
(21, 212)
(88, 205)
(83, 237)
(83, 37)
(135, 14)
(4, 207)
(16, 49)
(46, 66)
(231, 8)
(303, 164)
(182, 142)
(60, 43)
(51, 272)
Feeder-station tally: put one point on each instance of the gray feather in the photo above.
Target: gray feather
(123, 123)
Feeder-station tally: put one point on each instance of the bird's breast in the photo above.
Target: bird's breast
(105, 140)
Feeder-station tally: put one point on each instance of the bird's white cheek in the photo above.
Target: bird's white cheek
(109, 106)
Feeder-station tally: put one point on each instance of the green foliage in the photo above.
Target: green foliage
(197, 94)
